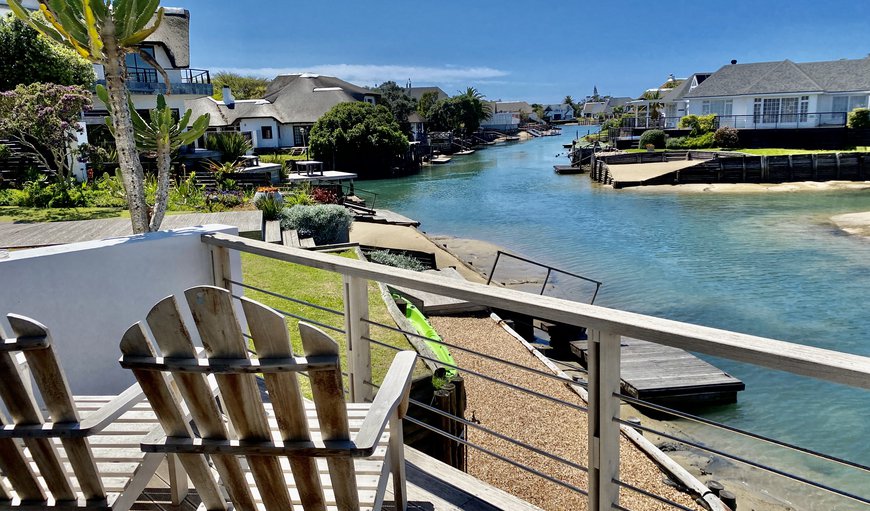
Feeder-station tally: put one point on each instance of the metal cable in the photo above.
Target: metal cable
(719, 425)
(499, 435)
(747, 462)
(498, 456)
(302, 318)
(479, 354)
(651, 495)
(490, 378)
(285, 297)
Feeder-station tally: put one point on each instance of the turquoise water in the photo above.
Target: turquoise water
(767, 264)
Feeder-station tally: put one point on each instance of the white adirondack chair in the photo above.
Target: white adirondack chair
(278, 455)
(85, 454)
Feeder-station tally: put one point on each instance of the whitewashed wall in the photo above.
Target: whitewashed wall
(254, 126)
(89, 293)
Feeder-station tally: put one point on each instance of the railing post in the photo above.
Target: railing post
(359, 360)
(221, 267)
(604, 348)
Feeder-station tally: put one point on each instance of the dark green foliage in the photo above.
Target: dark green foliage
(653, 137)
(395, 260)
(27, 57)
(726, 137)
(242, 87)
(427, 101)
(4, 151)
(859, 118)
(326, 223)
(220, 200)
(230, 144)
(358, 136)
(394, 98)
(700, 142)
(461, 114)
(699, 124)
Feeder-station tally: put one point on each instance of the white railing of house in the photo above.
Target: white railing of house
(605, 327)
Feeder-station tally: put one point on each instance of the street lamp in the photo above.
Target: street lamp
(304, 143)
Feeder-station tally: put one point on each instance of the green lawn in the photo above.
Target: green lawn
(322, 288)
(767, 151)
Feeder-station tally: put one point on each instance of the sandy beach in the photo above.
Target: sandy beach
(857, 224)
(802, 186)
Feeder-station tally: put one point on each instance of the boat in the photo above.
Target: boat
(440, 160)
(424, 328)
(567, 169)
(511, 138)
(463, 152)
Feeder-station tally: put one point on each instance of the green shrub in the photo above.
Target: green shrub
(11, 197)
(326, 223)
(396, 260)
(4, 151)
(186, 194)
(726, 137)
(859, 118)
(653, 137)
(231, 144)
(299, 196)
(699, 124)
(270, 203)
(700, 142)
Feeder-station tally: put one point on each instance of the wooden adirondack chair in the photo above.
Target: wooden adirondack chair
(88, 455)
(276, 455)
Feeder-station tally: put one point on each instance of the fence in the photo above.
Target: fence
(743, 122)
(605, 328)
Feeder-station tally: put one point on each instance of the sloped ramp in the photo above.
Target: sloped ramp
(431, 304)
(638, 174)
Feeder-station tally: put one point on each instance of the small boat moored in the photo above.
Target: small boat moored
(440, 160)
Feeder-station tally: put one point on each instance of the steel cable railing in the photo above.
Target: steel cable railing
(745, 461)
(659, 498)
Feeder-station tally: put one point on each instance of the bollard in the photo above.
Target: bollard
(729, 499)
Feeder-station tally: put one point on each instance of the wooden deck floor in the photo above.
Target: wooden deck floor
(432, 486)
(663, 374)
(30, 235)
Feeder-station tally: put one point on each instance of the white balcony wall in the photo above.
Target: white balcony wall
(89, 293)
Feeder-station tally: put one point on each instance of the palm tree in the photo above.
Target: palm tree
(104, 32)
(653, 104)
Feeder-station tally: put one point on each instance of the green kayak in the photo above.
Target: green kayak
(421, 324)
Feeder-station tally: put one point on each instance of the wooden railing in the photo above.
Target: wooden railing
(605, 327)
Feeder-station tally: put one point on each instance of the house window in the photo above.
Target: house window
(805, 108)
(266, 132)
(138, 70)
(720, 107)
(771, 111)
(857, 102)
(370, 100)
(756, 111)
(789, 110)
(300, 135)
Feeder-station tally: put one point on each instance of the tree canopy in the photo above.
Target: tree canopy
(426, 102)
(28, 57)
(462, 113)
(360, 137)
(43, 117)
(394, 98)
(243, 87)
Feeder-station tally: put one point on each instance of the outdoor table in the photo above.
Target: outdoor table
(309, 167)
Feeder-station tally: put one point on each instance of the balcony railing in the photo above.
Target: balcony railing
(762, 121)
(184, 81)
(600, 386)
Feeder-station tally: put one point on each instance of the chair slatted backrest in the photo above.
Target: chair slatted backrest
(34, 340)
(229, 362)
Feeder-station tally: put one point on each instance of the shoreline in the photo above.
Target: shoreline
(790, 187)
(475, 257)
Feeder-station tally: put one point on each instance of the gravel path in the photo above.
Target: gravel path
(538, 422)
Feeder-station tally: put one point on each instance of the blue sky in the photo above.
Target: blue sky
(536, 50)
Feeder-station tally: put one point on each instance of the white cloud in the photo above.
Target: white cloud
(370, 74)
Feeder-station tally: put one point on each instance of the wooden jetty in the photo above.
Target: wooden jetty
(669, 376)
(567, 169)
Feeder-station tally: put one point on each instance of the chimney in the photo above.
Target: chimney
(733, 61)
(229, 100)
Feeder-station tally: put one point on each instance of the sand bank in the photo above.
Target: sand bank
(857, 224)
(803, 186)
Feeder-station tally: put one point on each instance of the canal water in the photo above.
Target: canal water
(768, 264)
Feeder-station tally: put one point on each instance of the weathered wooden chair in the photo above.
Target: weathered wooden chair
(87, 455)
(277, 455)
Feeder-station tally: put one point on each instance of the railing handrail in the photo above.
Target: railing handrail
(838, 367)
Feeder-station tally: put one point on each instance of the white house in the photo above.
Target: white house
(783, 94)
(562, 112)
(674, 101)
(283, 118)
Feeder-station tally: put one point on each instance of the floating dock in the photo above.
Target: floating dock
(669, 376)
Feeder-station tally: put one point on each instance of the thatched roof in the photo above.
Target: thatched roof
(174, 35)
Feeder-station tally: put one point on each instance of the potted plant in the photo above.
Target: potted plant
(269, 200)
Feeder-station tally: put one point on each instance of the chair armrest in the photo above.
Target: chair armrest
(392, 398)
(93, 424)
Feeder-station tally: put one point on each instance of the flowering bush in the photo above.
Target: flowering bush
(223, 200)
(324, 196)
